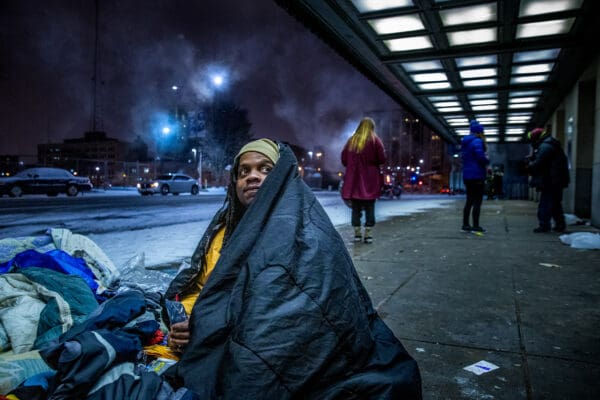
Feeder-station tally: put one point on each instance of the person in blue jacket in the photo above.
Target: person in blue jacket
(475, 161)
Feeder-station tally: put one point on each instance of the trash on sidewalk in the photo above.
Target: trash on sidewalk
(572, 219)
(582, 240)
(550, 265)
(481, 367)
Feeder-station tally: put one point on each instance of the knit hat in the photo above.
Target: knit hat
(475, 127)
(536, 135)
(266, 147)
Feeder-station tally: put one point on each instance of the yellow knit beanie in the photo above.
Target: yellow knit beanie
(266, 147)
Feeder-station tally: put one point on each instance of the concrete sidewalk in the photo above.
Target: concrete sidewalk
(455, 299)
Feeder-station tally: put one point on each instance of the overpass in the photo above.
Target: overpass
(511, 64)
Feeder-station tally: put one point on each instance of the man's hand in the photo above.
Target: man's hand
(179, 335)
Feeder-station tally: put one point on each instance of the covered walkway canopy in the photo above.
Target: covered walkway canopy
(507, 63)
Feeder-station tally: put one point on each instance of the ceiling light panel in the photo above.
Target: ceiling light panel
(483, 96)
(431, 77)
(524, 93)
(483, 102)
(400, 24)
(409, 43)
(535, 55)
(449, 109)
(519, 118)
(478, 73)
(454, 121)
(472, 36)
(470, 14)
(512, 139)
(446, 104)
(479, 82)
(544, 28)
(523, 99)
(514, 106)
(434, 86)
(529, 79)
(533, 69)
(377, 5)
(487, 120)
(442, 98)
(538, 7)
(485, 107)
(478, 61)
(422, 66)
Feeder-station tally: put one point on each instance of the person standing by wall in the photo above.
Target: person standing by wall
(362, 156)
(549, 168)
(475, 161)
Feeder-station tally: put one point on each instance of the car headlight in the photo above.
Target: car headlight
(154, 184)
(139, 186)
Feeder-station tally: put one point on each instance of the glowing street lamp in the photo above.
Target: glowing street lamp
(166, 130)
(218, 80)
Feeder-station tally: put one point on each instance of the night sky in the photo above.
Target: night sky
(294, 86)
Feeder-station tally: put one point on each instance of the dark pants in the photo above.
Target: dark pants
(475, 189)
(550, 207)
(368, 206)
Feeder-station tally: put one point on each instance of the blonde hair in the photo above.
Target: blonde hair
(364, 133)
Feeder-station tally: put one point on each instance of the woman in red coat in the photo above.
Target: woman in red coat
(362, 156)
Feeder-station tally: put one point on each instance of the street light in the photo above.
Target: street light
(218, 80)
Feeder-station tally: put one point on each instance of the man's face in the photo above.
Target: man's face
(252, 171)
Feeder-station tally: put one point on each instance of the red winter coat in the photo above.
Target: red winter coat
(363, 180)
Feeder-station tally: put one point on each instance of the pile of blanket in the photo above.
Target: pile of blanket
(48, 284)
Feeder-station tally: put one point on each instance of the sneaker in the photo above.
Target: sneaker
(368, 239)
(478, 229)
(541, 229)
(357, 238)
(466, 228)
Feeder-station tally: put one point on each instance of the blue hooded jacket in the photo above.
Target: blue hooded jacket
(474, 158)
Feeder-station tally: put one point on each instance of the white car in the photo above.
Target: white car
(44, 180)
(169, 183)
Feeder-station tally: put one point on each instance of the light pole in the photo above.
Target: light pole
(198, 153)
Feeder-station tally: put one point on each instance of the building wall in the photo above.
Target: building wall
(576, 124)
(595, 192)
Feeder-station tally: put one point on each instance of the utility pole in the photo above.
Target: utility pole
(95, 76)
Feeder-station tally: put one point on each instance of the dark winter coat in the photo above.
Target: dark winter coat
(474, 158)
(549, 166)
(284, 314)
(363, 180)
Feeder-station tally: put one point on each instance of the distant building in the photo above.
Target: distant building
(107, 161)
(9, 165)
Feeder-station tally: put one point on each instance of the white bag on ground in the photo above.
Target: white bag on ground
(582, 240)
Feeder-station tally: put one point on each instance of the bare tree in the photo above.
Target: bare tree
(227, 130)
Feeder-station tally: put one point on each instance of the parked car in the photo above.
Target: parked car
(169, 183)
(446, 189)
(44, 180)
